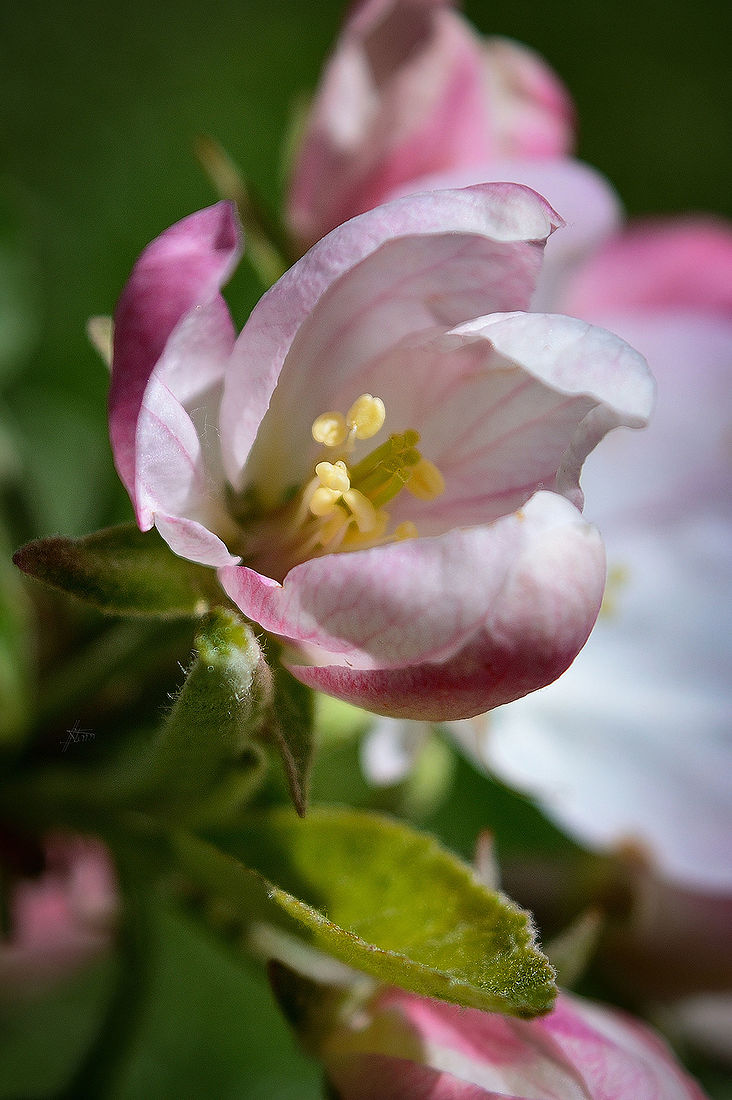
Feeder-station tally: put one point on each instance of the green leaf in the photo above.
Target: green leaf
(291, 729)
(15, 659)
(122, 571)
(383, 899)
(205, 762)
(211, 1026)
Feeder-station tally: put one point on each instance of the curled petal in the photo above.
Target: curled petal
(439, 628)
(181, 270)
(592, 382)
(583, 197)
(193, 541)
(460, 253)
(411, 1047)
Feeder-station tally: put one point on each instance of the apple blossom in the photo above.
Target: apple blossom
(411, 90)
(61, 919)
(274, 448)
(634, 740)
(610, 750)
(402, 1046)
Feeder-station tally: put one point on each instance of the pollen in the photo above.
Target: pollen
(323, 501)
(366, 416)
(425, 481)
(330, 429)
(333, 475)
(343, 507)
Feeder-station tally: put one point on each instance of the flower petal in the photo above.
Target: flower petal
(443, 627)
(412, 90)
(506, 405)
(403, 94)
(178, 466)
(575, 359)
(182, 269)
(667, 264)
(193, 541)
(581, 195)
(465, 253)
(405, 1047)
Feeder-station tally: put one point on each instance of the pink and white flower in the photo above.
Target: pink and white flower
(634, 741)
(274, 448)
(63, 919)
(411, 90)
(404, 1047)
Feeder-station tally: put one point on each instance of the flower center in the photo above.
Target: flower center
(343, 506)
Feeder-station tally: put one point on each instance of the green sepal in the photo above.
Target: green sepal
(290, 727)
(383, 899)
(15, 657)
(206, 760)
(122, 571)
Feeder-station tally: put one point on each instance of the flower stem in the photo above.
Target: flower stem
(268, 249)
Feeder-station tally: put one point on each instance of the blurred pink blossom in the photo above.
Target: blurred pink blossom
(634, 741)
(411, 90)
(63, 918)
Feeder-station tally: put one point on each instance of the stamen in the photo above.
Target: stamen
(343, 507)
(364, 513)
(366, 416)
(323, 501)
(334, 475)
(425, 481)
(330, 429)
(397, 451)
(335, 528)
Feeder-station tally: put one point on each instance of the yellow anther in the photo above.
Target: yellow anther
(343, 507)
(323, 501)
(333, 475)
(330, 429)
(366, 416)
(425, 481)
(363, 511)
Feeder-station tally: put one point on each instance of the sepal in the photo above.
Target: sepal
(122, 571)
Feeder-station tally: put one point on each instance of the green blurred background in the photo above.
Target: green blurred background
(100, 106)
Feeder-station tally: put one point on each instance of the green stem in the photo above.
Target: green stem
(103, 1062)
(268, 249)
